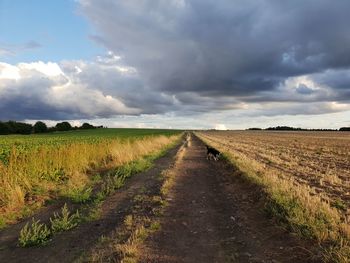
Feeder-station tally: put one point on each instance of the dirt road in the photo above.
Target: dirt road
(214, 215)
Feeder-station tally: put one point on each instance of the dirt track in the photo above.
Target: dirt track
(213, 215)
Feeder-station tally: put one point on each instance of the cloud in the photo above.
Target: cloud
(10, 50)
(41, 90)
(221, 127)
(5, 52)
(295, 109)
(241, 50)
(303, 89)
(192, 57)
(32, 45)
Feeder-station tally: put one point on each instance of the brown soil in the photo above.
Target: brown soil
(215, 215)
(69, 246)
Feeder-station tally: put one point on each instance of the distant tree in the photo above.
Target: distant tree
(40, 127)
(51, 129)
(344, 129)
(87, 126)
(4, 128)
(254, 129)
(283, 128)
(286, 128)
(24, 128)
(12, 126)
(63, 126)
(19, 127)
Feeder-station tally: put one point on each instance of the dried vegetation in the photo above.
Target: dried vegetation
(306, 176)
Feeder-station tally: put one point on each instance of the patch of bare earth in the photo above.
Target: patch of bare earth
(69, 246)
(214, 215)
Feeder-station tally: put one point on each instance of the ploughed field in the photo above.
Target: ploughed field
(320, 160)
(306, 176)
(37, 168)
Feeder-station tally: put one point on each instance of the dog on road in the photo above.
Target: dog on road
(212, 153)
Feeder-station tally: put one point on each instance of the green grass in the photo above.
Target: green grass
(2, 223)
(116, 179)
(78, 195)
(24, 143)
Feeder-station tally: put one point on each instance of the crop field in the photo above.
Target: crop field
(135, 195)
(37, 168)
(306, 175)
(23, 143)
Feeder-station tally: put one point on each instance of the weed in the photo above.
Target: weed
(96, 178)
(34, 234)
(64, 221)
(128, 221)
(155, 226)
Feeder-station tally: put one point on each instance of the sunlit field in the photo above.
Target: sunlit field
(37, 168)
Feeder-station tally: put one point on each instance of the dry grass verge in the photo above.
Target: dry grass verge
(126, 243)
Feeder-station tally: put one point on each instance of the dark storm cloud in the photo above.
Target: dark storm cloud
(188, 57)
(313, 108)
(225, 48)
(27, 99)
(339, 79)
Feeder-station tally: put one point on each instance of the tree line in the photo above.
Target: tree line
(14, 127)
(287, 128)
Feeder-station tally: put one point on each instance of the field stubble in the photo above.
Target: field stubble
(306, 176)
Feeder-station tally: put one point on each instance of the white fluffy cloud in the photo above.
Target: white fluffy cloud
(46, 90)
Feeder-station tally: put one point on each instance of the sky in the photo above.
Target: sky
(190, 64)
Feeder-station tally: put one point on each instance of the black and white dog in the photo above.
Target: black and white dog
(212, 153)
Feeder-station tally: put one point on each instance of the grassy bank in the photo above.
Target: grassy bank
(36, 233)
(126, 243)
(40, 168)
